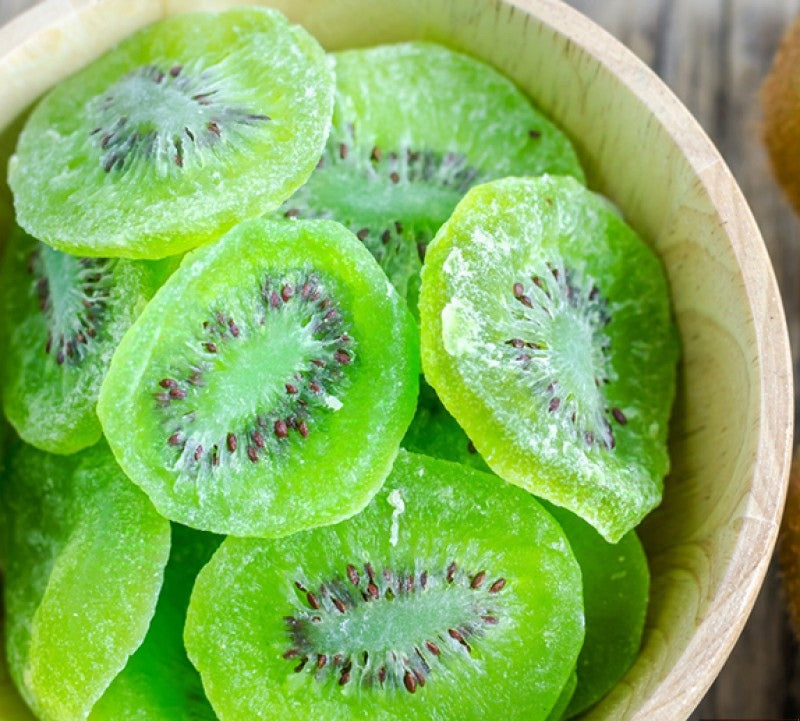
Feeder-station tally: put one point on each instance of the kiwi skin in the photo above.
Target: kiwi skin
(780, 99)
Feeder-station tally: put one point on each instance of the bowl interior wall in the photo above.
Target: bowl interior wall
(671, 196)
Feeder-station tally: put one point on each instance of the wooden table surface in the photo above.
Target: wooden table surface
(714, 54)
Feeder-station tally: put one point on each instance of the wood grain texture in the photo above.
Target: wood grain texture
(712, 54)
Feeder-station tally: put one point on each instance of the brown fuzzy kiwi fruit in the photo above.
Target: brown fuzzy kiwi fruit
(780, 98)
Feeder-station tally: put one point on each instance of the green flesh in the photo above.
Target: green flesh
(434, 432)
(50, 395)
(4, 442)
(85, 549)
(441, 122)
(557, 712)
(236, 451)
(12, 707)
(507, 645)
(159, 683)
(546, 332)
(616, 584)
(213, 118)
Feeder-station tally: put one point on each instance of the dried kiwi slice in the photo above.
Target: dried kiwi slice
(12, 707)
(453, 595)
(415, 126)
(5, 441)
(187, 127)
(266, 387)
(63, 317)
(616, 584)
(159, 683)
(86, 557)
(557, 712)
(546, 332)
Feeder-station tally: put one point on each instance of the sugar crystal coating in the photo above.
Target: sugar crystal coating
(187, 127)
(547, 333)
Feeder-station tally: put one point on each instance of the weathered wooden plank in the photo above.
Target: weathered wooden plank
(635, 23)
(10, 8)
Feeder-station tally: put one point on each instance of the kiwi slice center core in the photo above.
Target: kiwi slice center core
(168, 114)
(421, 187)
(560, 346)
(73, 294)
(391, 629)
(280, 348)
(294, 345)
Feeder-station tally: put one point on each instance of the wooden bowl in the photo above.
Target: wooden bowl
(710, 542)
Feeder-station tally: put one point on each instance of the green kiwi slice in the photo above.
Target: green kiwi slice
(546, 331)
(416, 125)
(173, 136)
(12, 707)
(616, 585)
(557, 712)
(159, 683)
(453, 595)
(63, 317)
(266, 387)
(86, 549)
(4, 442)
(434, 432)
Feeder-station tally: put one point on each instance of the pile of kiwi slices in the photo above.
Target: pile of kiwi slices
(334, 391)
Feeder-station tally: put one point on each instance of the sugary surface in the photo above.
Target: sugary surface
(615, 576)
(159, 683)
(280, 482)
(86, 557)
(546, 332)
(435, 526)
(414, 126)
(50, 403)
(557, 712)
(229, 70)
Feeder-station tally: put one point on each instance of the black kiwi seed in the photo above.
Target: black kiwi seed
(129, 121)
(407, 668)
(267, 431)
